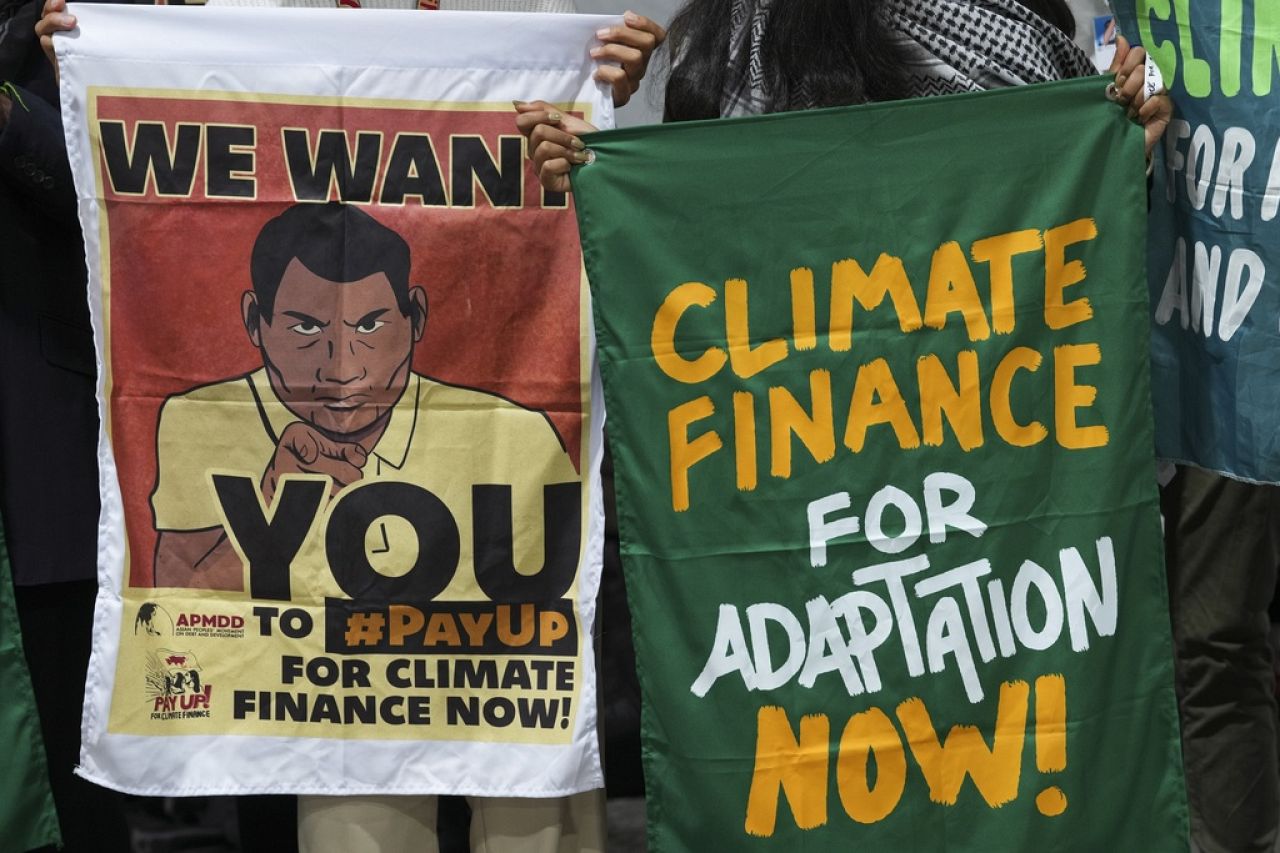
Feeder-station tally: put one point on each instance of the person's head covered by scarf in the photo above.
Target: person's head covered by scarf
(777, 56)
(746, 57)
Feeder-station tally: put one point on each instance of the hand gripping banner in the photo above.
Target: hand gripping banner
(881, 422)
(351, 523)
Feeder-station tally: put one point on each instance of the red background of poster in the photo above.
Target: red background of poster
(502, 283)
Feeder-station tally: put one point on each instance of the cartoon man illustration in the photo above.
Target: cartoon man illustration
(335, 319)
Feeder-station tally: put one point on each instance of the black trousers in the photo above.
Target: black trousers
(1222, 541)
(57, 624)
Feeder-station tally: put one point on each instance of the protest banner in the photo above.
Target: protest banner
(881, 426)
(351, 524)
(1214, 242)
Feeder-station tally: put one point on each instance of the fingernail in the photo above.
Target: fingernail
(518, 104)
(1120, 78)
(580, 156)
(596, 52)
(604, 32)
(630, 17)
(553, 117)
(578, 143)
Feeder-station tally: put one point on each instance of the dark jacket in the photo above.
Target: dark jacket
(48, 411)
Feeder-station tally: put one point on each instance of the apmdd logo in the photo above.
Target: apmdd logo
(153, 621)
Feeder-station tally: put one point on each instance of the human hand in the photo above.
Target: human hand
(1154, 112)
(630, 45)
(554, 145)
(53, 19)
(303, 449)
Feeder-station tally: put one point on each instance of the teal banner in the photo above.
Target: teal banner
(1215, 241)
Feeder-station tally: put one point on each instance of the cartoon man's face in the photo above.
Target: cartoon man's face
(338, 353)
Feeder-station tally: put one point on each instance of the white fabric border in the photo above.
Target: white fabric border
(406, 55)
(365, 39)
(557, 6)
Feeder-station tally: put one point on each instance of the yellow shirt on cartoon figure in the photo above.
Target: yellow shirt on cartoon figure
(440, 437)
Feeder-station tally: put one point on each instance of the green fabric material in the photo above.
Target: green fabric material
(27, 816)
(755, 200)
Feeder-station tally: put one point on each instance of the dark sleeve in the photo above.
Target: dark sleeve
(33, 157)
(17, 35)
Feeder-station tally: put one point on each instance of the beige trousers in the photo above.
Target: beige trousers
(573, 824)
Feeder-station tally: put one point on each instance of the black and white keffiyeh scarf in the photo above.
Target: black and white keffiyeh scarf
(951, 46)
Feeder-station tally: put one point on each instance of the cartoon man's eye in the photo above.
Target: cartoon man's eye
(368, 327)
(306, 328)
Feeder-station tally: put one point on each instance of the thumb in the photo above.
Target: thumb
(343, 451)
(354, 453)
(1122, 51)
(575, 125)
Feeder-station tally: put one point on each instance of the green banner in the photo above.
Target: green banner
(878, 397)
(27, 816)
